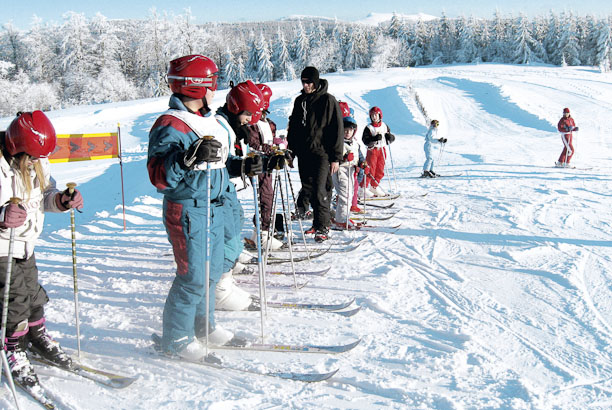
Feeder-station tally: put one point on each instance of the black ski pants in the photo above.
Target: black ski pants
(316, 188)
(26, 298)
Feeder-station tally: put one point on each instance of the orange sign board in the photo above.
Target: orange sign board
(85, 147)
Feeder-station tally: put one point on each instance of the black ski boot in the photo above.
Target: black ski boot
(322, 235)
(42, 344)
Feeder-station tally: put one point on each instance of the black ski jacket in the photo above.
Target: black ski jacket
(315, 125)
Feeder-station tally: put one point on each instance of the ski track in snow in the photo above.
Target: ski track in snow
(494, 292)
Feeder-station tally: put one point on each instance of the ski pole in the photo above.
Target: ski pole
(441, 152)
(71, 186)
(260, 264)
(285, 213)
(392, 168)
(5, 306)
(296, 211)
(348, 197)
(207, 250)
(287, 217)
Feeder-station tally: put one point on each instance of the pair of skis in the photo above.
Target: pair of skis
(297, 376)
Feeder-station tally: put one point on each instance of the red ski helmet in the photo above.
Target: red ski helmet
(32, 133)
(267, 94)
(566, 110)
(245, 96)
(346, 111)
(192, 75)
(376, 110)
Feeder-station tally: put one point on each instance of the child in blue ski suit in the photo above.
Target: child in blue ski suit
(430, 140)
(179, 149)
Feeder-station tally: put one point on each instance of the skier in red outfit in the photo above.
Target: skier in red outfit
(566, 126)
(372, 137)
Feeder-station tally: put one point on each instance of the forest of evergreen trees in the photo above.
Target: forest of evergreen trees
(86, 61)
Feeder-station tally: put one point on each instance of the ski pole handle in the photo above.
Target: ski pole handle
(71, 186)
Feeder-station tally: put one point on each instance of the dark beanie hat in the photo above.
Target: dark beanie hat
(311, 74)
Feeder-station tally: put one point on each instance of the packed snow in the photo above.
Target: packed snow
(494, 292)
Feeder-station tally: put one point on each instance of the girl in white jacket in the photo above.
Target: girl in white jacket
(343, 179)
(24, 174)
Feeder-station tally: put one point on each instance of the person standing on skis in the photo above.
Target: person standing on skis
(344, 179)
(243, 107)
(183, 142)
(25, 174)
(566, 126)
(261, 138)
(430, 140)
(376, 156)
(316, 137)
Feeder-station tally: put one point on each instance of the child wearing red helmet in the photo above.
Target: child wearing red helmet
(25, 174)
(375, 136)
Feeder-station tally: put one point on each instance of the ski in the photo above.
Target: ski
(314, 248)
(274, 260)
(303, 377)
(311, 306)
(38, 393)
(362, 218)
(382, 198)
(290, 348)
(276, 285)
(371, 228)
(320, 272)
(343, 311)
(441, 176)
(103, 377)
(387, 206)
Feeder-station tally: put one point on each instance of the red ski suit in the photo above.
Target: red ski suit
(566, 126)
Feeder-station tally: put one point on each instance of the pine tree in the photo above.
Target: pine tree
(265, 69)
(301, 47)
(524, 47)
(283, 67)
(230, 70)
(603, 47)
(568, 41)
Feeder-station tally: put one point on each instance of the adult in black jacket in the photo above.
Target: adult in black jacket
(316, 136)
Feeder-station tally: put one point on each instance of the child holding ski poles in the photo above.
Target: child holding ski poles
(25, 174)
(344, 179)
(430, 140)
(376, 156)
(192, 171)
(261, 137)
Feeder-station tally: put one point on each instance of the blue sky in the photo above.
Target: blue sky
(20, 12)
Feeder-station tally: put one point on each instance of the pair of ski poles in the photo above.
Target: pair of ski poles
(7, 290)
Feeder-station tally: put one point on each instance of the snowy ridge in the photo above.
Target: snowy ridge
(494, 293)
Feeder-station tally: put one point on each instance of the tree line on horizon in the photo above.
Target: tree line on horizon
(97, 60)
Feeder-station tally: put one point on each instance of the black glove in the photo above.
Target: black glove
(442, 140)
(202, 150)
(252, 165)
(276, 161)
(389, 138)
(289, 157)
(575, 129)
(377, 137)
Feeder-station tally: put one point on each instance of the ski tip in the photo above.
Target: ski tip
(348, 312)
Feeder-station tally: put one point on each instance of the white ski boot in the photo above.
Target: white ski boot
(228, 296)
(275, 244)
(194, 351)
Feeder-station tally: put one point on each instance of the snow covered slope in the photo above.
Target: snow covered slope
(494, 293)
